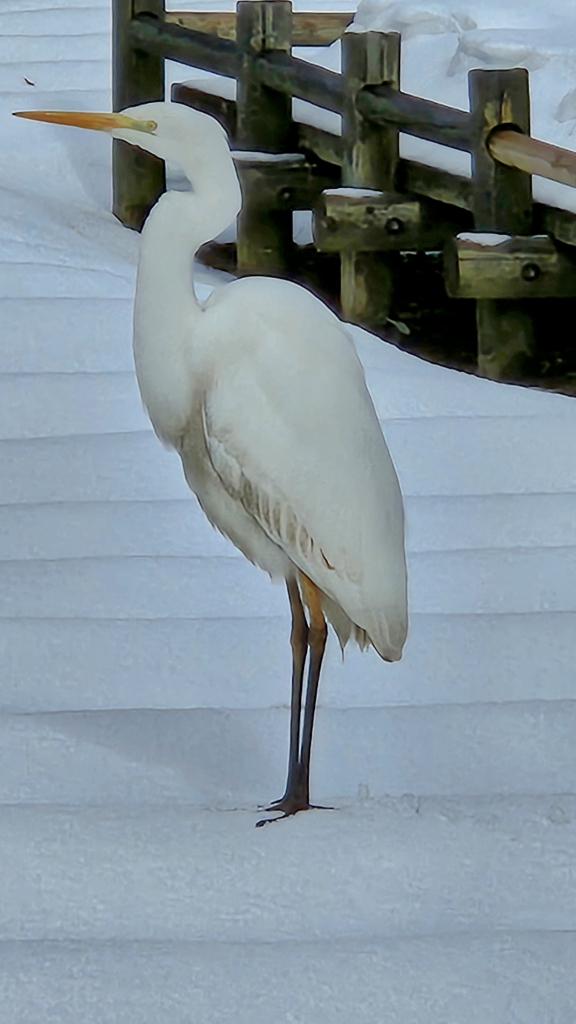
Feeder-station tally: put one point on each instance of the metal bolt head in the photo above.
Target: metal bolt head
(394, 226)
(531, 272)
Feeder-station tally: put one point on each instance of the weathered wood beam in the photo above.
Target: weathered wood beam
(172, 42)
(224, 110)
(263, 123)
(299, 78)
(501, 202)
(263, 114)
(380, 222)
(383, 105)
(370, 161)
(284, 181)
(452, 189)
(480, 266)
(456, 190)
(325, 145)
(279, 71)
(559, 223)
(308, 29)
(370, 155)
(137, 77)
(532, 156)
(501, 196)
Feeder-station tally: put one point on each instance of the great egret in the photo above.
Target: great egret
(261, 392)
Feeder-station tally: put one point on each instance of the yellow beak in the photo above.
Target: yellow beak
(97, 122)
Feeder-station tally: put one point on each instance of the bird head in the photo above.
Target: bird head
(159, 128)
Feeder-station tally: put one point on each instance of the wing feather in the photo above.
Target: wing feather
(268, 506)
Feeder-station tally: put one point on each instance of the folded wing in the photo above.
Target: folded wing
(293, 436)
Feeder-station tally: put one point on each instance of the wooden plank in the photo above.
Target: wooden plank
(300, 79)
(264, 116)
(480, 267)
(501, 196)
(371, 154)
(533, 157)
(325, 145)
(263, 123)
(417, 178)
(561, 224)
(370, 161)
(456, 190)
(168, 41)
(452, 189)
(137, 77)
(308, 29)
(385, 106)
(381, 222)
(284, 182)
(501, 202)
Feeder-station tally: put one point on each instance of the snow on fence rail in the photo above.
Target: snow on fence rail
(410, 207)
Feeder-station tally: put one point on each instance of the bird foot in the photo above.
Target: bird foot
(288, 806)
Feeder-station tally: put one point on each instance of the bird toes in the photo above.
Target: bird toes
(289, 806)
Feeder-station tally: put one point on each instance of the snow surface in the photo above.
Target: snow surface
(486, 238)
(144, 682)
(352, 193)
(251, 157)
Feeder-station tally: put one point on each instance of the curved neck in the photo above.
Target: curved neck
(166, 307)
(181, 222)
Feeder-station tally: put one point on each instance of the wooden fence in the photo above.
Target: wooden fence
(370, 205)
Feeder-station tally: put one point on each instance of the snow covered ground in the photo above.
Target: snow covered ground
(144, 683)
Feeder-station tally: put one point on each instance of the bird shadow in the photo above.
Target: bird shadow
(206, 756)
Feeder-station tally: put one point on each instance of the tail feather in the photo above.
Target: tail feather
(347, 630)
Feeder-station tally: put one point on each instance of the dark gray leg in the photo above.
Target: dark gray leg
(297, 795)
(299, 644)
(317, 641)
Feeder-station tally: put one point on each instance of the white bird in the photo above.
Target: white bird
(262, 394)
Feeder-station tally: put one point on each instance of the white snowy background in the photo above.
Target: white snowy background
(145, 666)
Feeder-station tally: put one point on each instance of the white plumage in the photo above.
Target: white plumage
(262, 394)
(294, 439)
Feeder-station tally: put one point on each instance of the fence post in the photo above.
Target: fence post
(501, 202)
(264, 123)
(370, 161)
(137, 77)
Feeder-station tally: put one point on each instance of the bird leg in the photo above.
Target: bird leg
(299, 644)
(297, 794)
(317, 644)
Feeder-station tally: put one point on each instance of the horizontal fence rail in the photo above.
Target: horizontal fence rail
(298, 78)
(533, 157)
(172, 42)
(308, 29)
(425, 119)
